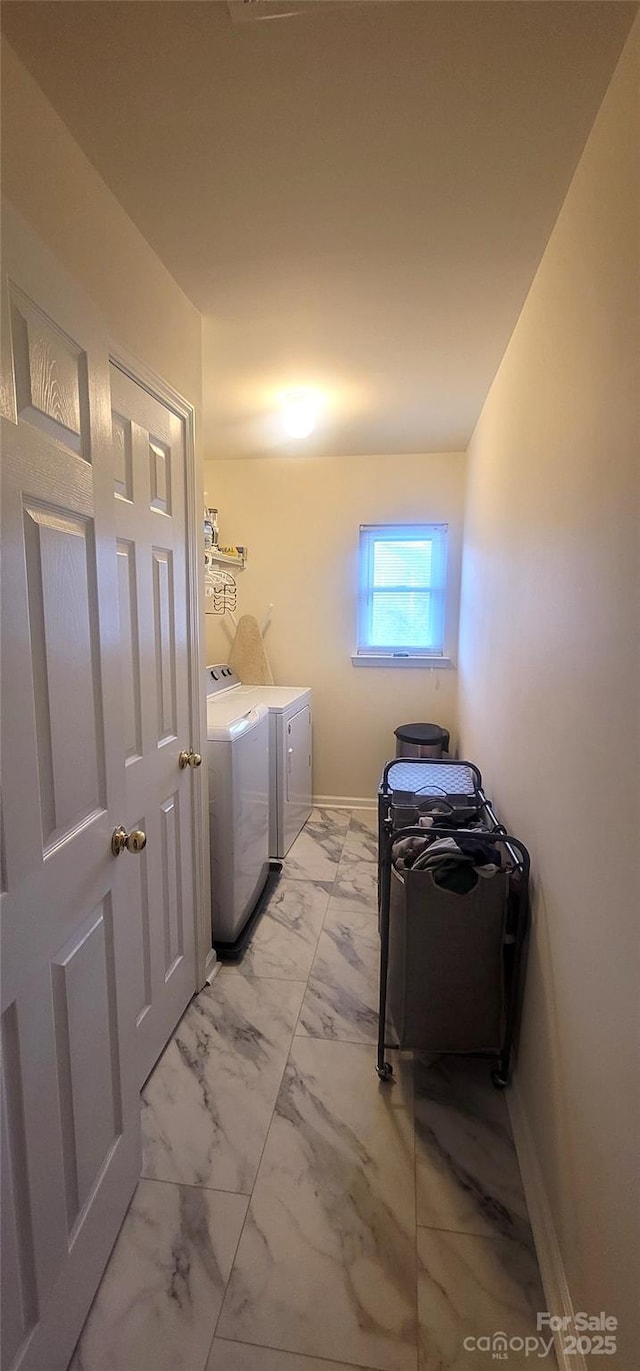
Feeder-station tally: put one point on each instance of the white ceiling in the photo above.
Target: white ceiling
(356, 197)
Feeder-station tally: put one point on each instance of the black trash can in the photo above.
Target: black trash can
(421, 740)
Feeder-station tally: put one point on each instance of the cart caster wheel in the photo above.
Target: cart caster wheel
(499, 1080)
(385, 1071)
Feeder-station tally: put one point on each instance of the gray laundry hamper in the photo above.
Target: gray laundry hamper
(445, 980)
(452, 962)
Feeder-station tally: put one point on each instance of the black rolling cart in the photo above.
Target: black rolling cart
(451, 953)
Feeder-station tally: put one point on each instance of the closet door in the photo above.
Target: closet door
(148, 494)
(70, 1108)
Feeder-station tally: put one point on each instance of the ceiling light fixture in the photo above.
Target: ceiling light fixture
(300, 412)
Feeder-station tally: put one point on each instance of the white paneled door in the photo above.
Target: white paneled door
(154, 721)
(92, 943)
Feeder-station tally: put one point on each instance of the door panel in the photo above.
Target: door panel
(171, 883)
(84, 1008)
(71, 1112)
(19, 1287)
(61, 591)
(138, 875)
(130, 648)
(148, 485)
(160, 476)
(122, 458)
(165, 643)
(50, 372)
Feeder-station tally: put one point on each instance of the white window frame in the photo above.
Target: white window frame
(390, 654)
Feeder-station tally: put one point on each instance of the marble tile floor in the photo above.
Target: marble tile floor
(294, 1213)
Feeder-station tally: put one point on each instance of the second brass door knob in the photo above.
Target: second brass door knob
(189, 758)
(133, 842)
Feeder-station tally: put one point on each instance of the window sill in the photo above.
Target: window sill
(387, 659)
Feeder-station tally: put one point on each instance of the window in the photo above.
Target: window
(402, 590)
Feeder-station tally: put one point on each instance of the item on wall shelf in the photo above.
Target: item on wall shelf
(221, 592)
(231, 556)
(248, 657)
(211, 531)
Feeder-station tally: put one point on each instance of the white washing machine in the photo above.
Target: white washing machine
(238, 775)
(290, 752)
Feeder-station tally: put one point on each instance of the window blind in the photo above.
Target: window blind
(402, 589)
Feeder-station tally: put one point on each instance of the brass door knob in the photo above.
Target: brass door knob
(189, 758)
(133, 841)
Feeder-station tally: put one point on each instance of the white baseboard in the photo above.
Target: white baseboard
(211, 967)
(552, 1272)
(344, 802)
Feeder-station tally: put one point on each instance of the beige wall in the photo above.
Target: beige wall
(299, 518)
(550, 691)
(53, 185)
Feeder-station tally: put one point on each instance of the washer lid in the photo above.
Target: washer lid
(231, 715)
(278, 699)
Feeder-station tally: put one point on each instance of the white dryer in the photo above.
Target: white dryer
(290, 753)
(290, 761)
(238, 775)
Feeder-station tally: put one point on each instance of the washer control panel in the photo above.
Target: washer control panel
(220, 677)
